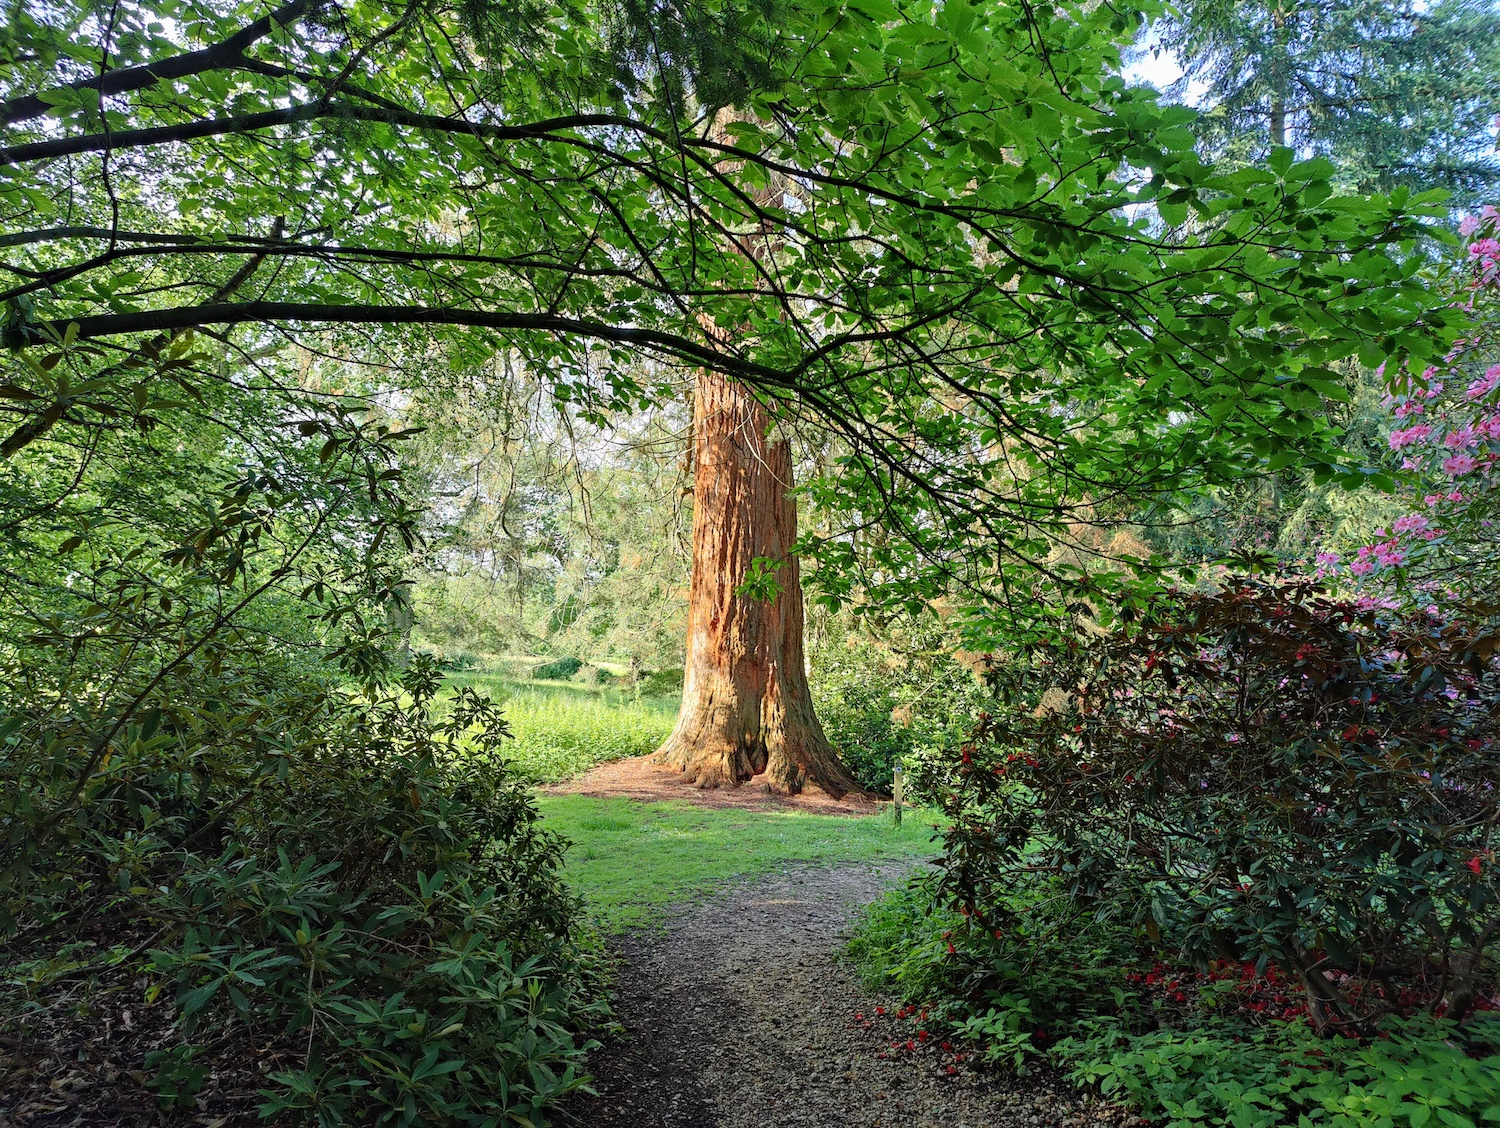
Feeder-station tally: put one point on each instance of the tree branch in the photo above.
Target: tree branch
(33, 429)
(223, 54)
(188, 317)
(120, 140)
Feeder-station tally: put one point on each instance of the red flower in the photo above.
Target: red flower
(1476, 865)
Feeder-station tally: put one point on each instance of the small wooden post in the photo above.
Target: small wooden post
(896, 788)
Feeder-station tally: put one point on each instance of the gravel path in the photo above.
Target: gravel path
(741, 1015)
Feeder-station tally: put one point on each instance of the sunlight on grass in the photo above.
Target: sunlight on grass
(561, 728)
(631, 859)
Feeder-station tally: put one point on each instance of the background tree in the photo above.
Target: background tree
(546, 534)
(1393, 94)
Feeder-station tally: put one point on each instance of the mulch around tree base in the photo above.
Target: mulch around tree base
(639, 778)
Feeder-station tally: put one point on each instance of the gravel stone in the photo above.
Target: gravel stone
(739, 1013)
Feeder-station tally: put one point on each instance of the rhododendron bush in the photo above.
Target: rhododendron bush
(1268, 774)
(1445, 428)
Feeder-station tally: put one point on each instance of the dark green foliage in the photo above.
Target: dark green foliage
(1184, 1048)
(559, 669)
(1421, 1072)
(1265, 774)
(857, 719)
(1011, 991)
(715, 52)
(227, 841)
(359, 890)
(661, 683)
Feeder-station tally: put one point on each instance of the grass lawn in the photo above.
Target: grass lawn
(630, 859)
(564, 728)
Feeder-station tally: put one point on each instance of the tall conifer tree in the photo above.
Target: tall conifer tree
(1393, 93)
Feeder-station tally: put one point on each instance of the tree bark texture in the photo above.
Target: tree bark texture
(746, 710)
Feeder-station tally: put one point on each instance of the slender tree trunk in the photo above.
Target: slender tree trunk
(746, 710)
(1282, 79)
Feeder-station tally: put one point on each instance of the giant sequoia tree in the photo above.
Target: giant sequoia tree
(746, 709)
(968, 280)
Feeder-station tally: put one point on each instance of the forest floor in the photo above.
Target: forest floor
(740, 1013)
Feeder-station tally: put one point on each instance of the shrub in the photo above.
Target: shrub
(344, 889)
(1266, 774)
(1422, 1072)
(1187, 1048)
(661, 683)
(1013, 992)
(560, 669)
(879, 705)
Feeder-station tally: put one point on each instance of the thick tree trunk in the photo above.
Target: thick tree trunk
(746, 709)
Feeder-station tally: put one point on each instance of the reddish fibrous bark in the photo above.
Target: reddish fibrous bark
(746, 712)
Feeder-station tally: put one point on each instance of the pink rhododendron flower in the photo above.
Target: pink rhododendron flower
(1458, 465)
(1399, 439)
(1362, 567)
(1485, 384)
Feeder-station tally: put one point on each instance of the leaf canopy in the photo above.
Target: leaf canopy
(950, 232)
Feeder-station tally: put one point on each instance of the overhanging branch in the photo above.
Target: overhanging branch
(223, 54)
(239, 313)
(123, 139)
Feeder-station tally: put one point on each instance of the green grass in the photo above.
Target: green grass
(564, 728)
(631, 859)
